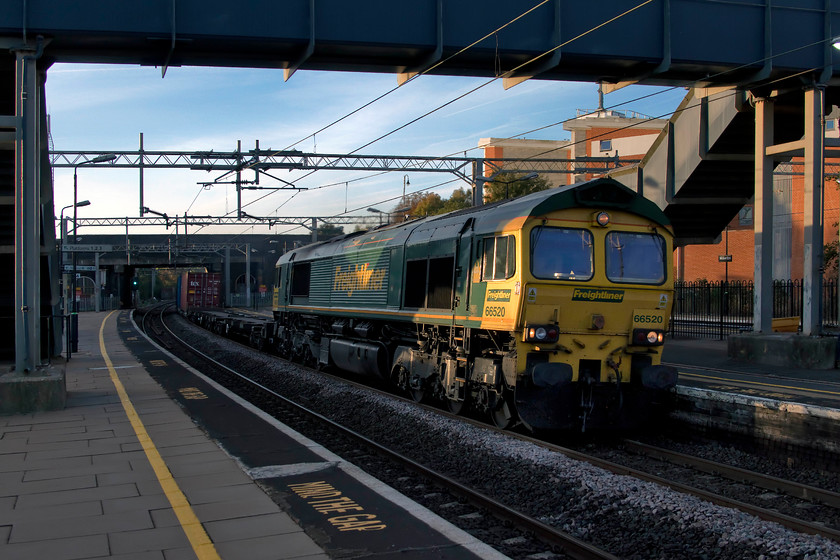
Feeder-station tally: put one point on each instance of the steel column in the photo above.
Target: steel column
(248, 274)
(813, 219)
(141, 166)
(97, 289)
(27, 215)
(478, 183)
(763, 218)
(227, 276)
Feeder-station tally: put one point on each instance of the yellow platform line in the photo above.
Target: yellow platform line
(199, 540)
(760, 384)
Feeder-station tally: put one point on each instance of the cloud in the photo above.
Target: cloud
(104, 107)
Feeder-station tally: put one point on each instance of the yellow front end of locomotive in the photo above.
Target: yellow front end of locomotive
(595, 295)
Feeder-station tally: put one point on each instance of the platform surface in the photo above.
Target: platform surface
(706, 364)
(140, 475)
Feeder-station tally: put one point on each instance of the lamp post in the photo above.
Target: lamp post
(98, 159)
(377, 211)
(389, 214)
(63, 229)
(71, 337)
(406, 182)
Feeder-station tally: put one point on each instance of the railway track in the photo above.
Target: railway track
(803, 492)
(740, 475)
(571, 546)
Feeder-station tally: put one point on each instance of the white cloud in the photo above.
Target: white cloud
(101, 107)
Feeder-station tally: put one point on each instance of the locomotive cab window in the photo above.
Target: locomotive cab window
(300, 279)
(429, 283)
(499, 258)
(561, 253)
(637, 258)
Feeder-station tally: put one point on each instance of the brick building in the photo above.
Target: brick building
(696, 262)
(601, 133)
(606, 133)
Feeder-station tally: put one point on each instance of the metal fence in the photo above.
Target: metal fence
(716, 309)
(257, 300)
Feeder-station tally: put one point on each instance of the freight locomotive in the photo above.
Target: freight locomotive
(549, 309)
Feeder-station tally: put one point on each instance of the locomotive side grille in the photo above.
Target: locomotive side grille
(320, 283)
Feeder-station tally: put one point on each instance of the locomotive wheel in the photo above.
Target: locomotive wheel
(455, 407)
(418, 393)
(399, 378)
(309, 359)
(502, 414)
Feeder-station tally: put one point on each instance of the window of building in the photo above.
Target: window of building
(606, 145)
(745, 216)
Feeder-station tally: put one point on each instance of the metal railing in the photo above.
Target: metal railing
(86, 302)
(716, 309)
(257, 300)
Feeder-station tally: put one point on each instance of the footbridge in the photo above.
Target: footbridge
(769, 60)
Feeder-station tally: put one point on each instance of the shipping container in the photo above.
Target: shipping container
(199, 290)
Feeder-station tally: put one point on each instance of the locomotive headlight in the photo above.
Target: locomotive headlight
(602, 219)
(541, 333)
(644, 337)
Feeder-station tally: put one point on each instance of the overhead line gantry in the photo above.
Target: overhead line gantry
(468, 169)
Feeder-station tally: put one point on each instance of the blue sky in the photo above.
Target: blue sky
(106, 107)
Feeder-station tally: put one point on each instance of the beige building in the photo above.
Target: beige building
(597, 134)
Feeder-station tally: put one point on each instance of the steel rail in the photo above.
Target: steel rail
(762, 513)
(791, 488)
(571, 546)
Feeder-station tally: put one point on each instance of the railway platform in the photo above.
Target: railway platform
(149, 459)
(706, 364)
(793, 411)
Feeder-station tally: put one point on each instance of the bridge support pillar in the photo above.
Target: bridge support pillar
(813, 216)
(27, 272)
(763, 218)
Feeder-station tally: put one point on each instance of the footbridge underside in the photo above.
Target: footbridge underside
(754, 45)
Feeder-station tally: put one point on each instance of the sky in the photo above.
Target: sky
(106, 107)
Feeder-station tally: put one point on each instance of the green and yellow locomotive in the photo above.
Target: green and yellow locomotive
(550, 308)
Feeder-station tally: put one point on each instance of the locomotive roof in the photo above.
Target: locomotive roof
(603, 194)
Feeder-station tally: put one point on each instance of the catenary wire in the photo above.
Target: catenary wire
(512, 71)
(492, 80)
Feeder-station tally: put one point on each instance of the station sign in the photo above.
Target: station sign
(724, 258)
(68, 269)
(87, 248)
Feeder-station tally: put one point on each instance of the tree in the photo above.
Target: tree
(431, 204)
(419, 205)
(507, 185)
(460, 199)
(328, 231)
